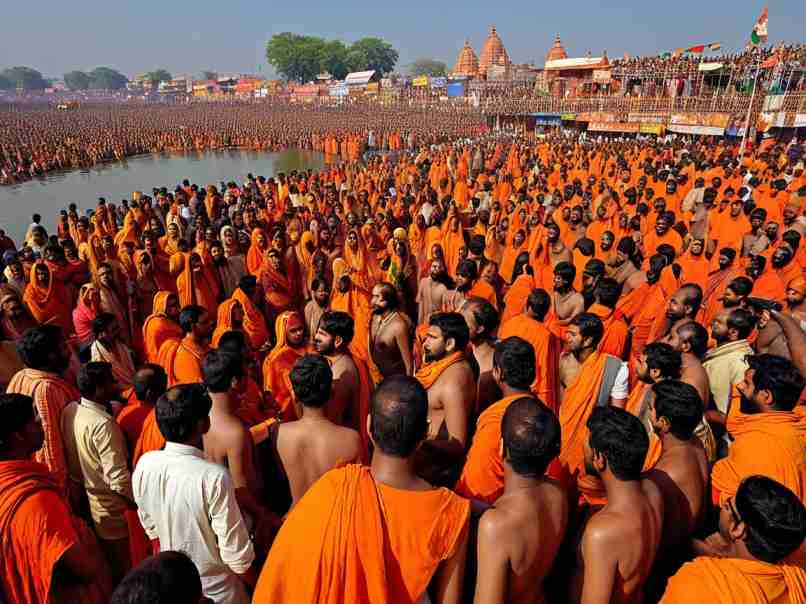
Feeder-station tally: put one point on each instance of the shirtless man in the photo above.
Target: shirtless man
(566, 301)
(681, 474)
(619, 542)
(228, 442)
(431, 291)
(482, 319)
(312, 445)
(316, 307)
(518, 538)
(450, 381)
(389, 332)
(691, 341)
(682, 307)
(466, 275)
(558, 252)
(755, 242)
(796, 300)
(627, 272)
(336, 330)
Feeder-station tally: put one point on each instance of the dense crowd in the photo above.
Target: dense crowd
(495, 369)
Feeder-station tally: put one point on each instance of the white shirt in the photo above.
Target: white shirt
(621, 387)
(188, 503)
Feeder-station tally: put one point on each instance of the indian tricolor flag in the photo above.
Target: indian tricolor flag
(759, 33)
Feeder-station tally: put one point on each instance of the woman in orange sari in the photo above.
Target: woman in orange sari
(276, 285)
(193, 285)
(169, 243)
(162, 324)
(230, 318)
(361, 267)
(257, 251)
(46, 298)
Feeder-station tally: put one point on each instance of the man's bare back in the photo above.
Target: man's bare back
(346, 390)
(682, 475)
(559, 253)
(620, 544)
(488, 391)
(519, 537)
(309, 447)
(568, 305)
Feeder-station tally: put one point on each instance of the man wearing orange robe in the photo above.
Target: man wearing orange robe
(182, 360)
(194, 286)
(378, 535)
(694, 265)
(616, 330)
(230, 318)
(44, 353)
(47, 554)
(767, 283)
(718, 282)
(530, 326)
(523, 284)
(277, 367)
(162, 324)
(582, 373)
(663, 233)
(759, 528)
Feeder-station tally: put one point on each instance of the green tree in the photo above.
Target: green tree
(77, 80)
(296, 57)
(5, 83)
(428, 67)
(333, 59)
(159, 75)
(106, 78)
(209, 75)
(25, 78)
(372, 53)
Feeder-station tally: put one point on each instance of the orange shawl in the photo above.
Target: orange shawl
(547, 354)
(429, 373)
(254, 323)
(616, 331)
(337, 536)
(224, 320)
(515, 298)
(158, 328)
(709, 580)
(277, 369)
(194, 288)
(48, 304)
(255, 254)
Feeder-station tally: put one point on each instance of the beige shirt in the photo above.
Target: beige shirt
(725, 366)
(231, 274)
(96, 457)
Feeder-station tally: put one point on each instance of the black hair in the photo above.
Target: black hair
(664, 358)
(779, 377)
(150, 378)
(339, 324)
(233, 342)
(743, 321)
(179, 410)
(681, 404)
(452, 325)
(16, 412)
(590, 326)
(774, 516)
(170, 577)
(607, 292)
(311, 379)
(247, 284)
(539, 303)
(476, 245)
(729, 252)
(515, 358)
(485, 315)
(697, 337)
(566, 271)
(219, 368)
(468, 269)
(399, 415)
(389, 295)
(38, 344)
(522, 265)
(92, 375)
(621, 438)
(102, 322)
(586, 246)
(693, 297)
(189, 316)
(741, 286)
(531, 434)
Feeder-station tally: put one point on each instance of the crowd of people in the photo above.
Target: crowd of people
(490, 370)
(37, 140)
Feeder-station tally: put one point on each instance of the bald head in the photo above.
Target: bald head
(150, 383)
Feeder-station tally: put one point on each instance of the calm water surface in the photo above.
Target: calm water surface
(115, 181)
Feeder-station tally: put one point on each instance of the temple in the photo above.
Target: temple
(467, 64)
(493, 58)
(564, 76)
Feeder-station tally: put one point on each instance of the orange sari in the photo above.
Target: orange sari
(48, 304)
(277, 369)
(194, 288)
(158, 328)
(224, 320)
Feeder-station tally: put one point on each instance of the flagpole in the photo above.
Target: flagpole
(749, 112)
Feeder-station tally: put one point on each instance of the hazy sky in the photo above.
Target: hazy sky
(230, 36)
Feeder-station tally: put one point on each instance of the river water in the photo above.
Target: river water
(115, 181)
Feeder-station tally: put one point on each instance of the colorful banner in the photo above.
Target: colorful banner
(713, 120)
(439, 82)
(703, 130)
(614, 127)
(651, 129)
(596, 116)
(601, 76)
(568, 117)
(420, 81)
(548, 119)
(648, 117)
(456, 89)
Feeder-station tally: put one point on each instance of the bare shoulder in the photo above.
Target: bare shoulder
(494, 526)
(459, 375)
(602, 532)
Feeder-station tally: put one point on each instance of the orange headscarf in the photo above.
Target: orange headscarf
(224, 321)
(256, 253)
(194, 288)
(158, 328)
(48, 304)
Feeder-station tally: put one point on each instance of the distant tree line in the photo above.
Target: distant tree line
(100, 78)
(301, 58)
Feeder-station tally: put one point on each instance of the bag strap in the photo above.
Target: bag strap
(612, 367)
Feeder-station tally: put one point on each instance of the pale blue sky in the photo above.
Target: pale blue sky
(230, 36)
